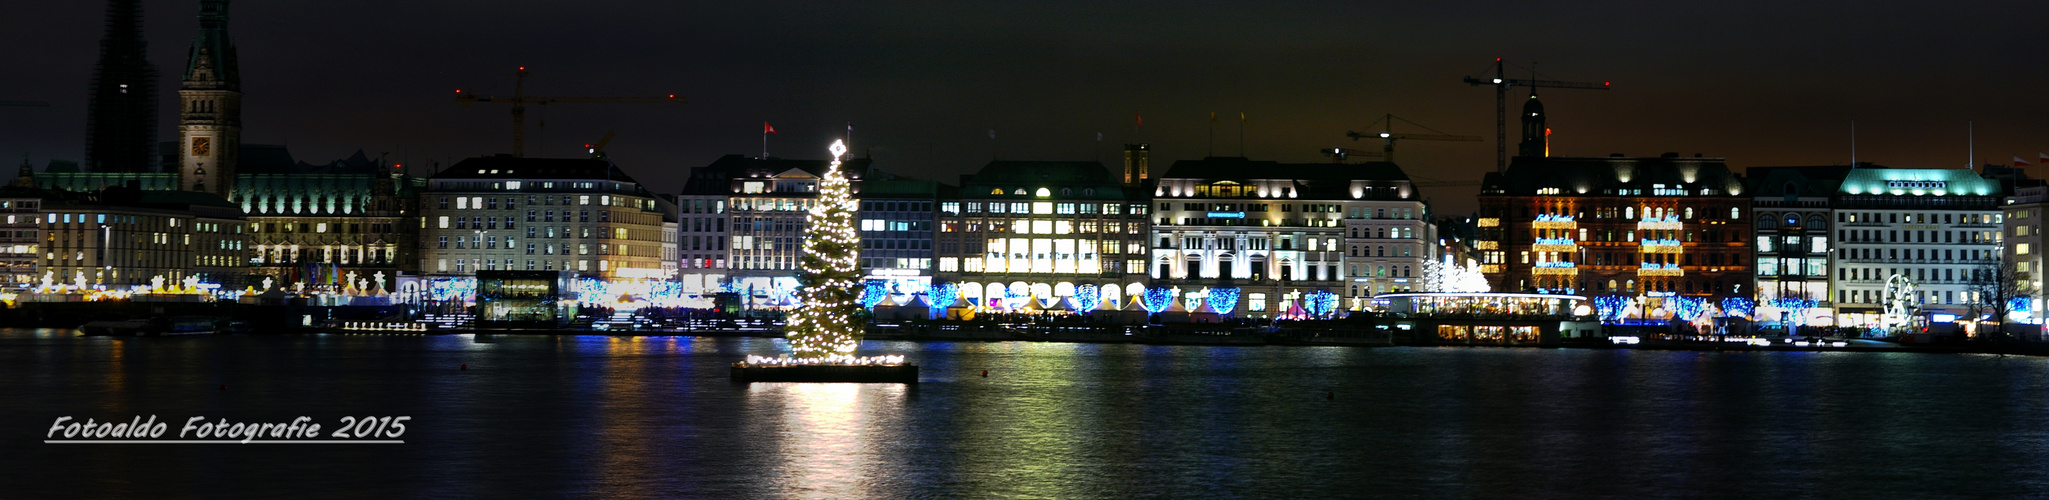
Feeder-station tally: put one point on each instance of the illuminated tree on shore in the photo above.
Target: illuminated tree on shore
(828, 320)
(1448, 277)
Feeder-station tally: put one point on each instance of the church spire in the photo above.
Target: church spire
(121, 113)
(1536, 136)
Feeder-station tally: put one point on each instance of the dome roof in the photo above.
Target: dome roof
(1533, 107)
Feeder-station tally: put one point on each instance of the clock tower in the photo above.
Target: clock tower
(210, 107)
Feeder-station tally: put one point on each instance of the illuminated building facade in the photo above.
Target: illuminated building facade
(2023, 248)
(702, 237)
(1617, 225)
(1043, 229)
(320, 225)
(1794, 212)
(1935, 227)
(896, 221)
(766, 206)
(121, 237)
(1277, 231)
(584, 216)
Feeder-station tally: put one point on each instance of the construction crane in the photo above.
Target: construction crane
(520, 100)
(1388, 134)
(1501, 83)
(598, 150)
(1339, 155)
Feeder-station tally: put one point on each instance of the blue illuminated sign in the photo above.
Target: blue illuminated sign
(1227, 215)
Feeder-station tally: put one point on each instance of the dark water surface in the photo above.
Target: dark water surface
(537, 417)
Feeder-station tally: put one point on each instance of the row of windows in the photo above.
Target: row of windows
(1649, 212)
(1253, 243)
(896, 206)
(889, 225)
(581, 216)
(1922, 254)
(1041, 208)
(465, 265)
(512, 202)
(1030, 227)
(1625, 258)
(314, 227)
(1916, 218)
(1895, 236)
(1951, 297)
(1918, 274)
(977, 265)
(1400, 233)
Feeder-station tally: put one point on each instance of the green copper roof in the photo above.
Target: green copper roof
(1918, 182)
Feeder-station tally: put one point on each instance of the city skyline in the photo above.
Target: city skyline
(924, 85)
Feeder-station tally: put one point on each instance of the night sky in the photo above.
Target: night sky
(1761, 83)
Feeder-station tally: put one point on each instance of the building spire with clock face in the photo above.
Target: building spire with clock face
(210, 100)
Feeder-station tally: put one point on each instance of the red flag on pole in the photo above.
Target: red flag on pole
(2044, 157)
(1141, 119)
(2018, 162)
(766, 128)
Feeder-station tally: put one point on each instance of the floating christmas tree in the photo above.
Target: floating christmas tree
(827, 322)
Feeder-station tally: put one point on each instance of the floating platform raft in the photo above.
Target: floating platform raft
(872, 374)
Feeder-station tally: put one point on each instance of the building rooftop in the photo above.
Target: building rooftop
(516, 168)
(717, 178)
(1070, 179)
(1919, 182)
(1815, 181)
(1669, 175)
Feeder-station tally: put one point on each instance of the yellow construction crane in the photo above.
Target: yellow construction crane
(519, 100)
(1388, 134)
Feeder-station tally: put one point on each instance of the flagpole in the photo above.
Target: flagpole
(1212, 133)
(1241, 134)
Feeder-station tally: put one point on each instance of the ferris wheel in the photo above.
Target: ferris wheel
(1899, 294)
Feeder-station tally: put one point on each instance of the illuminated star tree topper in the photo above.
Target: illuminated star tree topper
(828, 321)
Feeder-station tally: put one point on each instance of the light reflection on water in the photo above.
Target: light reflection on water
(656, 417)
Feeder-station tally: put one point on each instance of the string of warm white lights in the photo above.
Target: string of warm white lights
(828, 324)
(835, 359)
